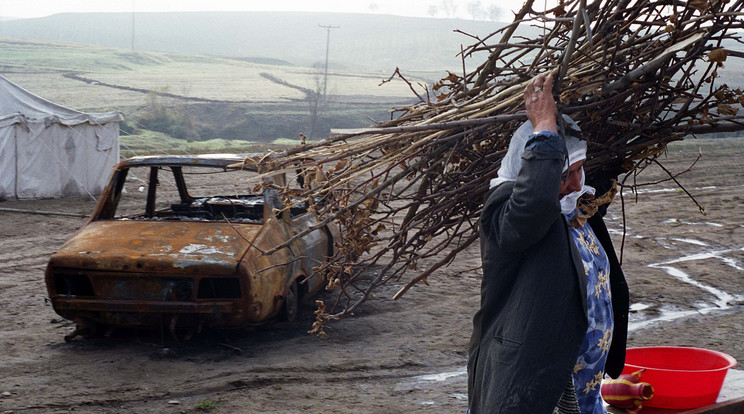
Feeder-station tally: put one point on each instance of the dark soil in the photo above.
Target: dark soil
(391, 356)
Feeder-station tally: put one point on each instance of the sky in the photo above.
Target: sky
(465, 9)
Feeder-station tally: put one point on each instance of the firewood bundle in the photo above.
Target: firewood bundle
(634, 74)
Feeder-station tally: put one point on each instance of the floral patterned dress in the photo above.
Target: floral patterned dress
(589, 368)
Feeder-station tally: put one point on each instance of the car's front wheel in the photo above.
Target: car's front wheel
(291, 303)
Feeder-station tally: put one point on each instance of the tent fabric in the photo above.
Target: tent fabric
(49, 151)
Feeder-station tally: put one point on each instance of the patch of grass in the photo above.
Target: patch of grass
(207, 405)
(286, 142)
(219, 145)
(144, 142)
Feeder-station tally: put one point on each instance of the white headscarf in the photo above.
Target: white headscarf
(512, 162)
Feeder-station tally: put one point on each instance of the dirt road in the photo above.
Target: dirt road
(685, 270)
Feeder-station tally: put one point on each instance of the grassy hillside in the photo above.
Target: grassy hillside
(246, 76)
(199, 97)
(370, 42)
(192, 76)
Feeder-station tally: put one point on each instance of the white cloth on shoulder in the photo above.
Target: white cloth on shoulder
(512, 162)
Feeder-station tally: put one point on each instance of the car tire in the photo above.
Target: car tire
(291, 303)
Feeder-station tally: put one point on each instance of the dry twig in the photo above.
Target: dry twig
(408, 193)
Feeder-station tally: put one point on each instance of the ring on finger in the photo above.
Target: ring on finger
(537, 88)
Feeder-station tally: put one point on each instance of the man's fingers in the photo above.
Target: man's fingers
(539, 89)
(548, 84)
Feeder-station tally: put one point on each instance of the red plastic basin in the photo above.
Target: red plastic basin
(682, 377)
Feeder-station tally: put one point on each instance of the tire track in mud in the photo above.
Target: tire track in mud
(15, 243)
(261, 377)
(690, 258)
(28, 253)
(24, 251)
(24, 262)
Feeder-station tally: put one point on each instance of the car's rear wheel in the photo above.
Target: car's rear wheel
(291, 303)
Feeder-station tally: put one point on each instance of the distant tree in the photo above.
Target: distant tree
(449, 8)
(128, 128)
(168, 119)
(433, 10)
(495, 12)
(475, 10)
(373, 7)
(317, 103)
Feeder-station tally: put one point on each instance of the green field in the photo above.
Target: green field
(205, 101)
(210, 103)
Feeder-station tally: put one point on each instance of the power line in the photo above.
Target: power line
(328, 47)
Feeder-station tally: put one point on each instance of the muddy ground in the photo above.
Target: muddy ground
(685, 271)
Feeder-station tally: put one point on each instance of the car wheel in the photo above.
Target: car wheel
(291, 303)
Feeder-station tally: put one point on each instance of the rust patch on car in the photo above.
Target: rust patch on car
(157, 255)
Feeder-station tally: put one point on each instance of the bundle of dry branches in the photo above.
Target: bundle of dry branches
(634, 74)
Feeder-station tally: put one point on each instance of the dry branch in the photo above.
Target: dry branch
(408, 192)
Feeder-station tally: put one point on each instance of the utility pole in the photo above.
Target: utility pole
(328, 46)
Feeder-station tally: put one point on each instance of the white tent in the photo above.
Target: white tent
(49, 151)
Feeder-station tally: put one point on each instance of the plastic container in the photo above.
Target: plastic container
(682, 378)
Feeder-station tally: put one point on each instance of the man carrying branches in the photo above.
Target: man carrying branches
(554, 302)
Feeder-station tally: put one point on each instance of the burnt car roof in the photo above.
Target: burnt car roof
(203, 160)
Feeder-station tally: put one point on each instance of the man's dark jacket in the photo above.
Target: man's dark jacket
(533, 318)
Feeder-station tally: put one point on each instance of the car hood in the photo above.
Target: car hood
(157, 246)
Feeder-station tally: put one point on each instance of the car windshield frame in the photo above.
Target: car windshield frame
(208, 205)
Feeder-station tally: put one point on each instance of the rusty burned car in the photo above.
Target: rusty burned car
(179, 243)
